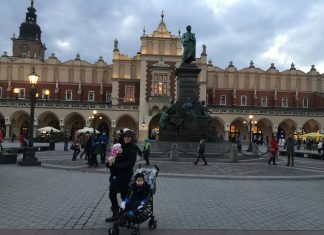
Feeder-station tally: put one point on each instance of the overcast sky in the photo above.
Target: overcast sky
(265, 31)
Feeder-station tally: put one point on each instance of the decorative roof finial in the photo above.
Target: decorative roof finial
(116, 45)
(77, 57)
(251, 64)
(230, 64)
(32, 3)
(292, 67)
(162, 15)
(204, 50)
(272, 66)
(313, 68)
(144, 31)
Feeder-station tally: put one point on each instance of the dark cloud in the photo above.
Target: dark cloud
(273, 31)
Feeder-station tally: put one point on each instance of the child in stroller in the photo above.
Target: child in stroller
(137, 207)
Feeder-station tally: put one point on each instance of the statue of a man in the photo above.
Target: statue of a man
(188, 40)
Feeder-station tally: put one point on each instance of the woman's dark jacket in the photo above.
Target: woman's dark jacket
(122, 170)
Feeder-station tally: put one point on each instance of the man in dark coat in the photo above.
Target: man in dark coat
(290, 150)
(121, 172)
(201, 151)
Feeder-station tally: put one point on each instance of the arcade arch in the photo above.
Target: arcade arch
(19, 122)
(126, 121)
(103, 123)
(264, 129)
(285, 127)
(311, 126)
(48, 119)
(218, 125)
(73, 122)
(153, 127)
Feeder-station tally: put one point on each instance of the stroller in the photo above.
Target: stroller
(150, 174)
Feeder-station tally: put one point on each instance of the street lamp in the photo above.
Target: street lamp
(29, 158)
(16, 92)
(250, 149)
(94, 121)
(46, 93)
(143, 123)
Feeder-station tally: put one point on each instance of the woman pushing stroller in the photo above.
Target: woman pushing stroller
(121, 171)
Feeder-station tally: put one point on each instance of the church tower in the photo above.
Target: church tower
(29, 43)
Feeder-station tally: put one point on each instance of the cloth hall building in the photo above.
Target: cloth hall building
(133, 90)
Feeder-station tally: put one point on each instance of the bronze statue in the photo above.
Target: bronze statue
(164, 119)
(188, 40)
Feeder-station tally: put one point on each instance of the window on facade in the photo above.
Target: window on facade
(0, 92)
(264, 101)
(305, 103)
(161, 85)
(22, 92)
(243, 100)
(108, 97)
(91, 96)
(284, 102)
(223, 100)
(68, 95)
(129, 93)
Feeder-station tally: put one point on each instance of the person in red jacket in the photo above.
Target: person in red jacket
(274, 150)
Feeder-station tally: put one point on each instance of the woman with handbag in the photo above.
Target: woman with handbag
(274, 150)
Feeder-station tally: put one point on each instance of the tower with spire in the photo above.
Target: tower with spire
(28, 43)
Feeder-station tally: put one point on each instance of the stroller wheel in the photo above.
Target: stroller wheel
(136, 232)
(152, 224)
(113, 231)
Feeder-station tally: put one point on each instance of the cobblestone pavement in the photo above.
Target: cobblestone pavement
(72, 198)
(252, 168)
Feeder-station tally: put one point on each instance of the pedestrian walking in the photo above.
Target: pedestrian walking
(146, 150)
(201, 152)
(239, 144)
(22, 140)
(13, 137)
(66, 141)
(84, 145)
(121, 172)
(103, 139)
(94, 151)
(273, 150)
(290, 150)
(76, 146)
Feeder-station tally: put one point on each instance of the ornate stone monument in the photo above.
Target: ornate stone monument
(187, 119)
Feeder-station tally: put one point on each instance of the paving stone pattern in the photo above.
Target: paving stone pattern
(41, 198)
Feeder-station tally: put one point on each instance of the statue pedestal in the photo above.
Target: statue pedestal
(187, 119)
(187, 83)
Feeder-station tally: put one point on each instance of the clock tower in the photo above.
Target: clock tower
(29, 43)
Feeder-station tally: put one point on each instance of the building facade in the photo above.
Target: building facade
(131, 91)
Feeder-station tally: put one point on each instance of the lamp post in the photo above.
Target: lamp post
(16, 92)
(94, 121)
(47, 93)
(250, 149)
(143, 123)
(29, 158)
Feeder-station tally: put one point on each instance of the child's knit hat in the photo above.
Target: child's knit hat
(139, 175)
